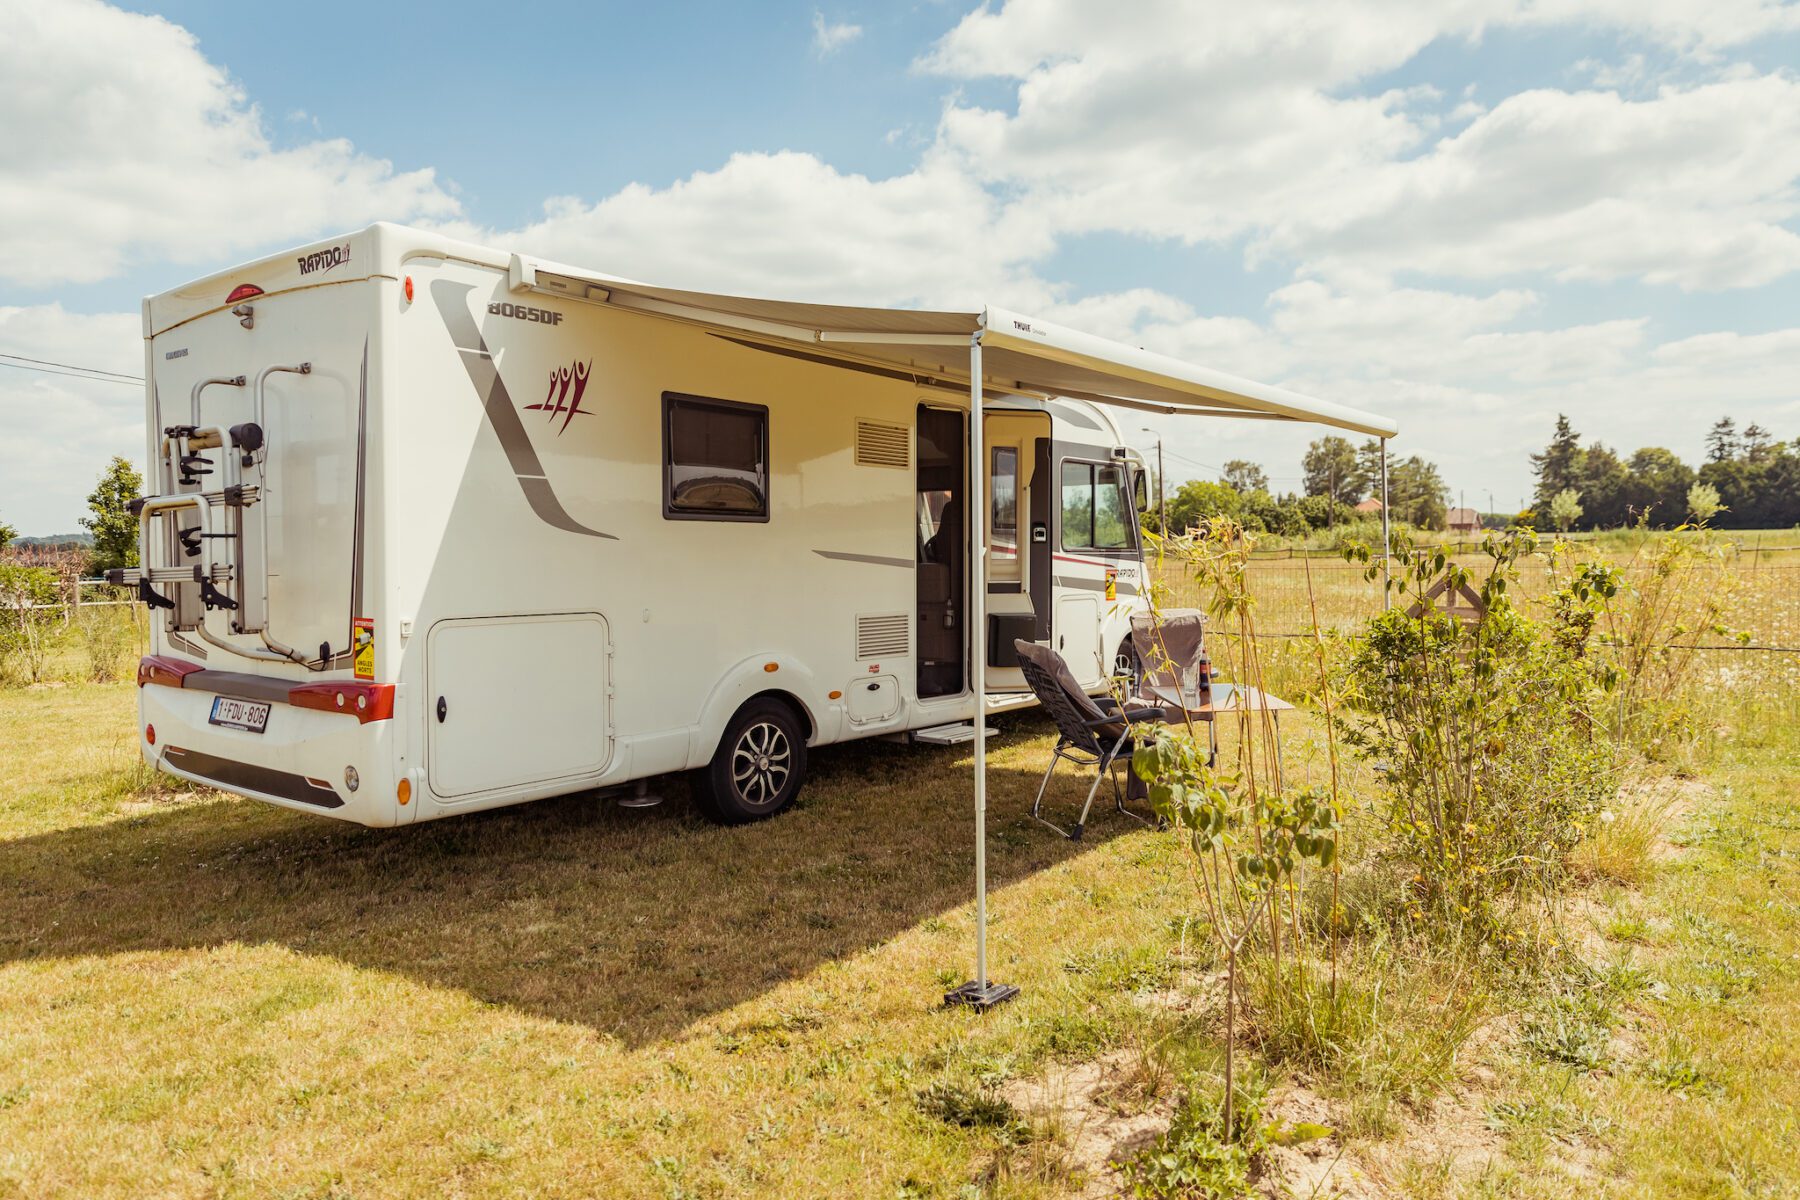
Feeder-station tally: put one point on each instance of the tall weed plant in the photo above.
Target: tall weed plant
(1486, 729)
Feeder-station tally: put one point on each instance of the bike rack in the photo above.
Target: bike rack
(239, 587)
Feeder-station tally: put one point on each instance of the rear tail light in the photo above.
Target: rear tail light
(364, 701)
(150, 734)
(243, 291)
(161, 668)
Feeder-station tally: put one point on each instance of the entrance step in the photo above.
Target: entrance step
(949, 735)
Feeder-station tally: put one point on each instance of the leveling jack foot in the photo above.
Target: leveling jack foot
(641, 796)
(979, 998)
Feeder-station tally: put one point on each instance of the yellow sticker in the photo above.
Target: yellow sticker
(1112, 584)
(362, 641)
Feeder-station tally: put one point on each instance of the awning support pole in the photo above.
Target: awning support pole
(980, 992)
(1387, 548)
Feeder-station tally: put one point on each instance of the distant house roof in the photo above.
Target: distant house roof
(1369, 505)
(1463, 518)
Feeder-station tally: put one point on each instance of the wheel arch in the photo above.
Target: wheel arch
(751, 680)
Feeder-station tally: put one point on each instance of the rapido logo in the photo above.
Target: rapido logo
(324, 260)
(523, 312)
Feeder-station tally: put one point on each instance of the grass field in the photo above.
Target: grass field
(202, 996)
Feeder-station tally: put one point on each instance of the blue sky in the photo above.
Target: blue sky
(1470, 215)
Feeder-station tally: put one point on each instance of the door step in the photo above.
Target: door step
(949, 735)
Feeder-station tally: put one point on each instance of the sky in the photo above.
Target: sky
(1470, 215)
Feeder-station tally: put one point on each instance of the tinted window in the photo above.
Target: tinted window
(715, 459)
(1006, 489)
(1096, 508)
(1077, 505)
(1113, 510)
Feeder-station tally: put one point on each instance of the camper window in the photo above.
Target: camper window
(1096, 508)
(715, 459)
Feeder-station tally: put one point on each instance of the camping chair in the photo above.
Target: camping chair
(1093, 732)
(1170, 649)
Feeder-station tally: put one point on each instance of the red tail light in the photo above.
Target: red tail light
(364, 701)
(170, 672)
(243, 291)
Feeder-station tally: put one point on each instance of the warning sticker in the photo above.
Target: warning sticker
(362, 644)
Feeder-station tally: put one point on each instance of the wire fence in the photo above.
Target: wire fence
(1290, 586)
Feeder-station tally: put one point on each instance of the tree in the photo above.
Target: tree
(1565, 509)
(1559, 466)
(7, 534)
(1330, 466)
(115, 530)
(1757, 443)
(1417, 494)
(1368, 468)
(1703, 502)
(1245, 477)
(1198, 499)
(1605, 482)
(1722, 441)
(1659, 485)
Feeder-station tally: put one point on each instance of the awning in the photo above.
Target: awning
(1021, 354)
(986, 351)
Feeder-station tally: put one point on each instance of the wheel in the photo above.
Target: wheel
(758, 768)
(1128, 666)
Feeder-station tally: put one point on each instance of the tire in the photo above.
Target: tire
(1127, 664)
(759, 767)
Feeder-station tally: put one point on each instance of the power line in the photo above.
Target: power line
(1194, 462)
(45, 365)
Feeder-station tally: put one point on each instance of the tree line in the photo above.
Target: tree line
(1336, 476)
(1748, 481)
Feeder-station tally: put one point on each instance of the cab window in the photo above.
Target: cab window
(1096, 507)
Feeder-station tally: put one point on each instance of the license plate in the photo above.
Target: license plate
(239, 714)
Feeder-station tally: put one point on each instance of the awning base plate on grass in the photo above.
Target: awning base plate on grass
(976, 996)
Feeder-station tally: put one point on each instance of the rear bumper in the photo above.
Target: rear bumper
(302, 760)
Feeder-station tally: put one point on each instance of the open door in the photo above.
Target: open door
(942, 521)
(1018, 559)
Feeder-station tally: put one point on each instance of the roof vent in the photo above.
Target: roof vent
(879, 445)
(882, 637)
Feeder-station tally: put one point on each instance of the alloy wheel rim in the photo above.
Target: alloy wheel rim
(761, 762)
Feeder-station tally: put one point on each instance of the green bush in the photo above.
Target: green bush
(1482, 733)
(26, 624)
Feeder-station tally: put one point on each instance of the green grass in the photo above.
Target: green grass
(203, 996)
(206, 996)
(1688, 1082)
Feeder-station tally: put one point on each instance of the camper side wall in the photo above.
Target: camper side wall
(558, 623)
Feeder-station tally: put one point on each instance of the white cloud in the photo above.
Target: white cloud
(65, 429)
(138, 148)
(829, 37)
(1252, 127)
(1214, 123)
(792, 225)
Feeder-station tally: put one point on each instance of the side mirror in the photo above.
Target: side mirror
(1140, 488)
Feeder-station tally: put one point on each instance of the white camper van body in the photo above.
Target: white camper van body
(489, 544)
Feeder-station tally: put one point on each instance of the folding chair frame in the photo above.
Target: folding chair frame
(1086, 726)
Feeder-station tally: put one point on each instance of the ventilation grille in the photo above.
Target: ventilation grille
(879, 445)
(881, 637)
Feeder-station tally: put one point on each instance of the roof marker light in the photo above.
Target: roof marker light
(243, 291)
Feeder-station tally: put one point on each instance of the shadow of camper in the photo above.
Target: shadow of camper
(635, 924)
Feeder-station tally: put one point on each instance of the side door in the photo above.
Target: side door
(1096, 542)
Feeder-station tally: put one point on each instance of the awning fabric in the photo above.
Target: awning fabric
(1020, 353)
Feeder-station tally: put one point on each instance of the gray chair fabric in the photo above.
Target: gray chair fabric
(1093, 732)
(1170, 647)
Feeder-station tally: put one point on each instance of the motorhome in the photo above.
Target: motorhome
(434, 528)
